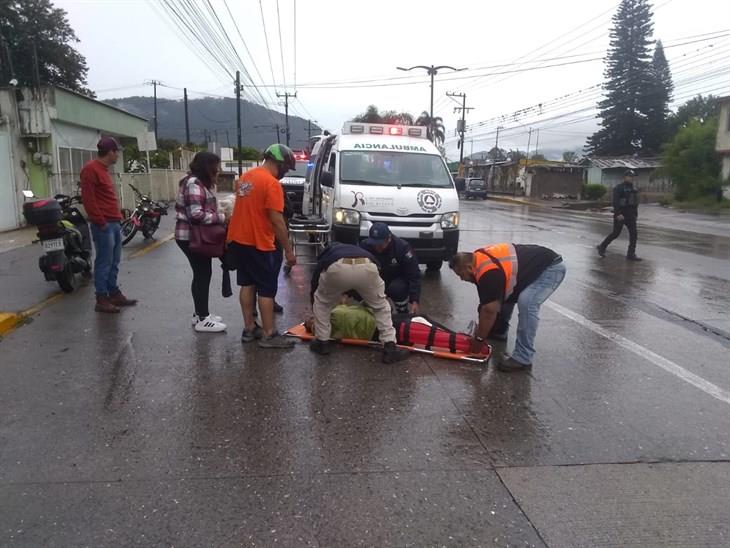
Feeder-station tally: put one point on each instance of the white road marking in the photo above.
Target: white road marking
(668, 365)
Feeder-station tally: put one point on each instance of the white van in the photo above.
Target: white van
(387, 173)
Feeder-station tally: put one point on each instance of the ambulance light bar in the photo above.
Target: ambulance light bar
(353, 128)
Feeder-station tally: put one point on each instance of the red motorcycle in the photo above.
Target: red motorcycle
(145, 217)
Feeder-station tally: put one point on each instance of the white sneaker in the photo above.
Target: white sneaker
(210, 325)
(213, 317)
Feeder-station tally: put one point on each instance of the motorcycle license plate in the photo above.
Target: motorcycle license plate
(53, 245)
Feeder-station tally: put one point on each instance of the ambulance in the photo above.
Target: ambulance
(385, 173)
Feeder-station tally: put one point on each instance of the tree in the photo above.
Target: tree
(370, 116)
(692, 162)
(247, 153)
(373, 116)
(628, 75)
(35, 29)
(570, 156)
(700, 108)
(537, 157)
(497, 154)
(435, 126)
(657, 98)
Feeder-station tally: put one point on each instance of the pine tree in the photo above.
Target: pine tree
(628, 76)
(656, 103)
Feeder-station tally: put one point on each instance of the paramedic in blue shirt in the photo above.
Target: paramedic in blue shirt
(398, 268)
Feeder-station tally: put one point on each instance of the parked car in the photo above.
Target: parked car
(475, 188)
(293, 184)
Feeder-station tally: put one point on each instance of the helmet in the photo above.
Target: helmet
(629, 173)
(281, 154)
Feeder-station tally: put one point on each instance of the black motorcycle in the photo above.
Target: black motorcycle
(145, 217)
(64, 235)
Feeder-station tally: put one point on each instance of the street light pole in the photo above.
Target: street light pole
(432, 71)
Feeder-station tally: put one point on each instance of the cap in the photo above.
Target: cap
(629, 173)
(379, 234)
(107, 144)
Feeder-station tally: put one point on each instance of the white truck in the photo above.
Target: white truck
(387, 173)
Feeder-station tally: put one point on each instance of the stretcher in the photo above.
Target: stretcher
(300, 332)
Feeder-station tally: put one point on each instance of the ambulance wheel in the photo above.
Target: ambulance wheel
(434, 266)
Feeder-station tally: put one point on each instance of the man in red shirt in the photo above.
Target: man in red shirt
(102, 209)
(256, 223)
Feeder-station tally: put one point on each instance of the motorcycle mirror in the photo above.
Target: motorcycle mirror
(28, 194)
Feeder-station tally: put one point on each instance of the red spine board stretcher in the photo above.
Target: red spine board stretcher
(300, 332)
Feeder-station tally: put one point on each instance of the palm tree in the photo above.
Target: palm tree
(435, 126)
(373, 116)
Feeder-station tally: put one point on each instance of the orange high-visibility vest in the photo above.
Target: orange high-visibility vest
(497, 257)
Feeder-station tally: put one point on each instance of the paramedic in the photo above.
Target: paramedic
(342, 268)
(508, 274)
(398, 268)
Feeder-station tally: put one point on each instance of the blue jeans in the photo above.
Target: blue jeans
(108, 244)
(529, 303)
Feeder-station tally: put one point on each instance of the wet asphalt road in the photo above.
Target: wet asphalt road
(131, 430)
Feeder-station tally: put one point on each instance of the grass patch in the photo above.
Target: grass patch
(706, 203)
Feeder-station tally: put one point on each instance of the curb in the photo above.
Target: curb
(9, 321)
(514, 201)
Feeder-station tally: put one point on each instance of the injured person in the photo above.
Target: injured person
(355, 321)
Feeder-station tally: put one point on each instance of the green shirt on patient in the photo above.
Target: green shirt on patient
(352, 321)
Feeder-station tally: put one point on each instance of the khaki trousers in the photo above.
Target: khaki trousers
(343, 276)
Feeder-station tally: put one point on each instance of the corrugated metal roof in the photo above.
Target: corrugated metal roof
(625, 162)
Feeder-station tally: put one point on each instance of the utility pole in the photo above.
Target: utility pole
(537, 142)
(238, 122)
(462, 124)
(154, 84)
(187, 122)
(527, 160)
(432, 71)
(286, 96)
(36, 69)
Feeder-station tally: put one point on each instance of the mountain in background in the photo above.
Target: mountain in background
(216, 119)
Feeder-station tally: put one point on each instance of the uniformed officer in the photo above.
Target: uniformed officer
(625, 212)
(398, 268)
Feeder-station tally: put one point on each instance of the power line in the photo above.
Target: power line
(281, 44)
(268, 49)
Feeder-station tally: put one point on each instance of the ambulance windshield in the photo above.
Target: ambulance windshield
(386, 168)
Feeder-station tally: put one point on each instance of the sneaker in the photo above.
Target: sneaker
(277, 341)
(634, 258)
(250, 336)
(118, 299)
(278, 309)
(322, 348)
(213, 317)
(601, 250)
(510, 365)
(393, 354)
(210, 325)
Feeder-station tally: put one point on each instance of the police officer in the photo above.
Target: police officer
(625, 212)
(398, 268)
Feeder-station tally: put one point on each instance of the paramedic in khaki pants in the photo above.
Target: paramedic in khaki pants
(102, 209)
(342, 268)
(505, 275)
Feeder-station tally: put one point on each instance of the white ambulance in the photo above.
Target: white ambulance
(387, 173)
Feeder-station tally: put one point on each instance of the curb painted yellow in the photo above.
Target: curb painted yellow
(507, 200)
(152, 246)
(8, 322)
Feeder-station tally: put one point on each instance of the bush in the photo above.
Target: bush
(692, 163)
(594, 191)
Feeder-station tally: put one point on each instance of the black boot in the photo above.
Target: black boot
(393, 354)
(601, 250)
(633, 257)
(323, 348)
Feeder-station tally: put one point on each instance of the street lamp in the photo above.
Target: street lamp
(432, 71)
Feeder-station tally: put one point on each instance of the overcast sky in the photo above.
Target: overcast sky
(126, 42)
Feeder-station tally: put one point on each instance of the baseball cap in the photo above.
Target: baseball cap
(107, 144)
(379, 234)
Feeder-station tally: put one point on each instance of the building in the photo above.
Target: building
(609, 171)
(547, 180)
(46, 136)
(723, 139)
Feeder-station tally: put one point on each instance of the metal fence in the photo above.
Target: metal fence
(159, 184)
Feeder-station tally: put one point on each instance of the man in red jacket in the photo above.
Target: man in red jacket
(102, 209)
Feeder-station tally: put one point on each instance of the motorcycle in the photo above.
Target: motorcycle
(145, 217)
(64, 234)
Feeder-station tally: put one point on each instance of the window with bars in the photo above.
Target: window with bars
(71, 160)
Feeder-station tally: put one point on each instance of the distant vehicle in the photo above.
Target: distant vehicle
(475, 188)
(385, 173)
(293, 182)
